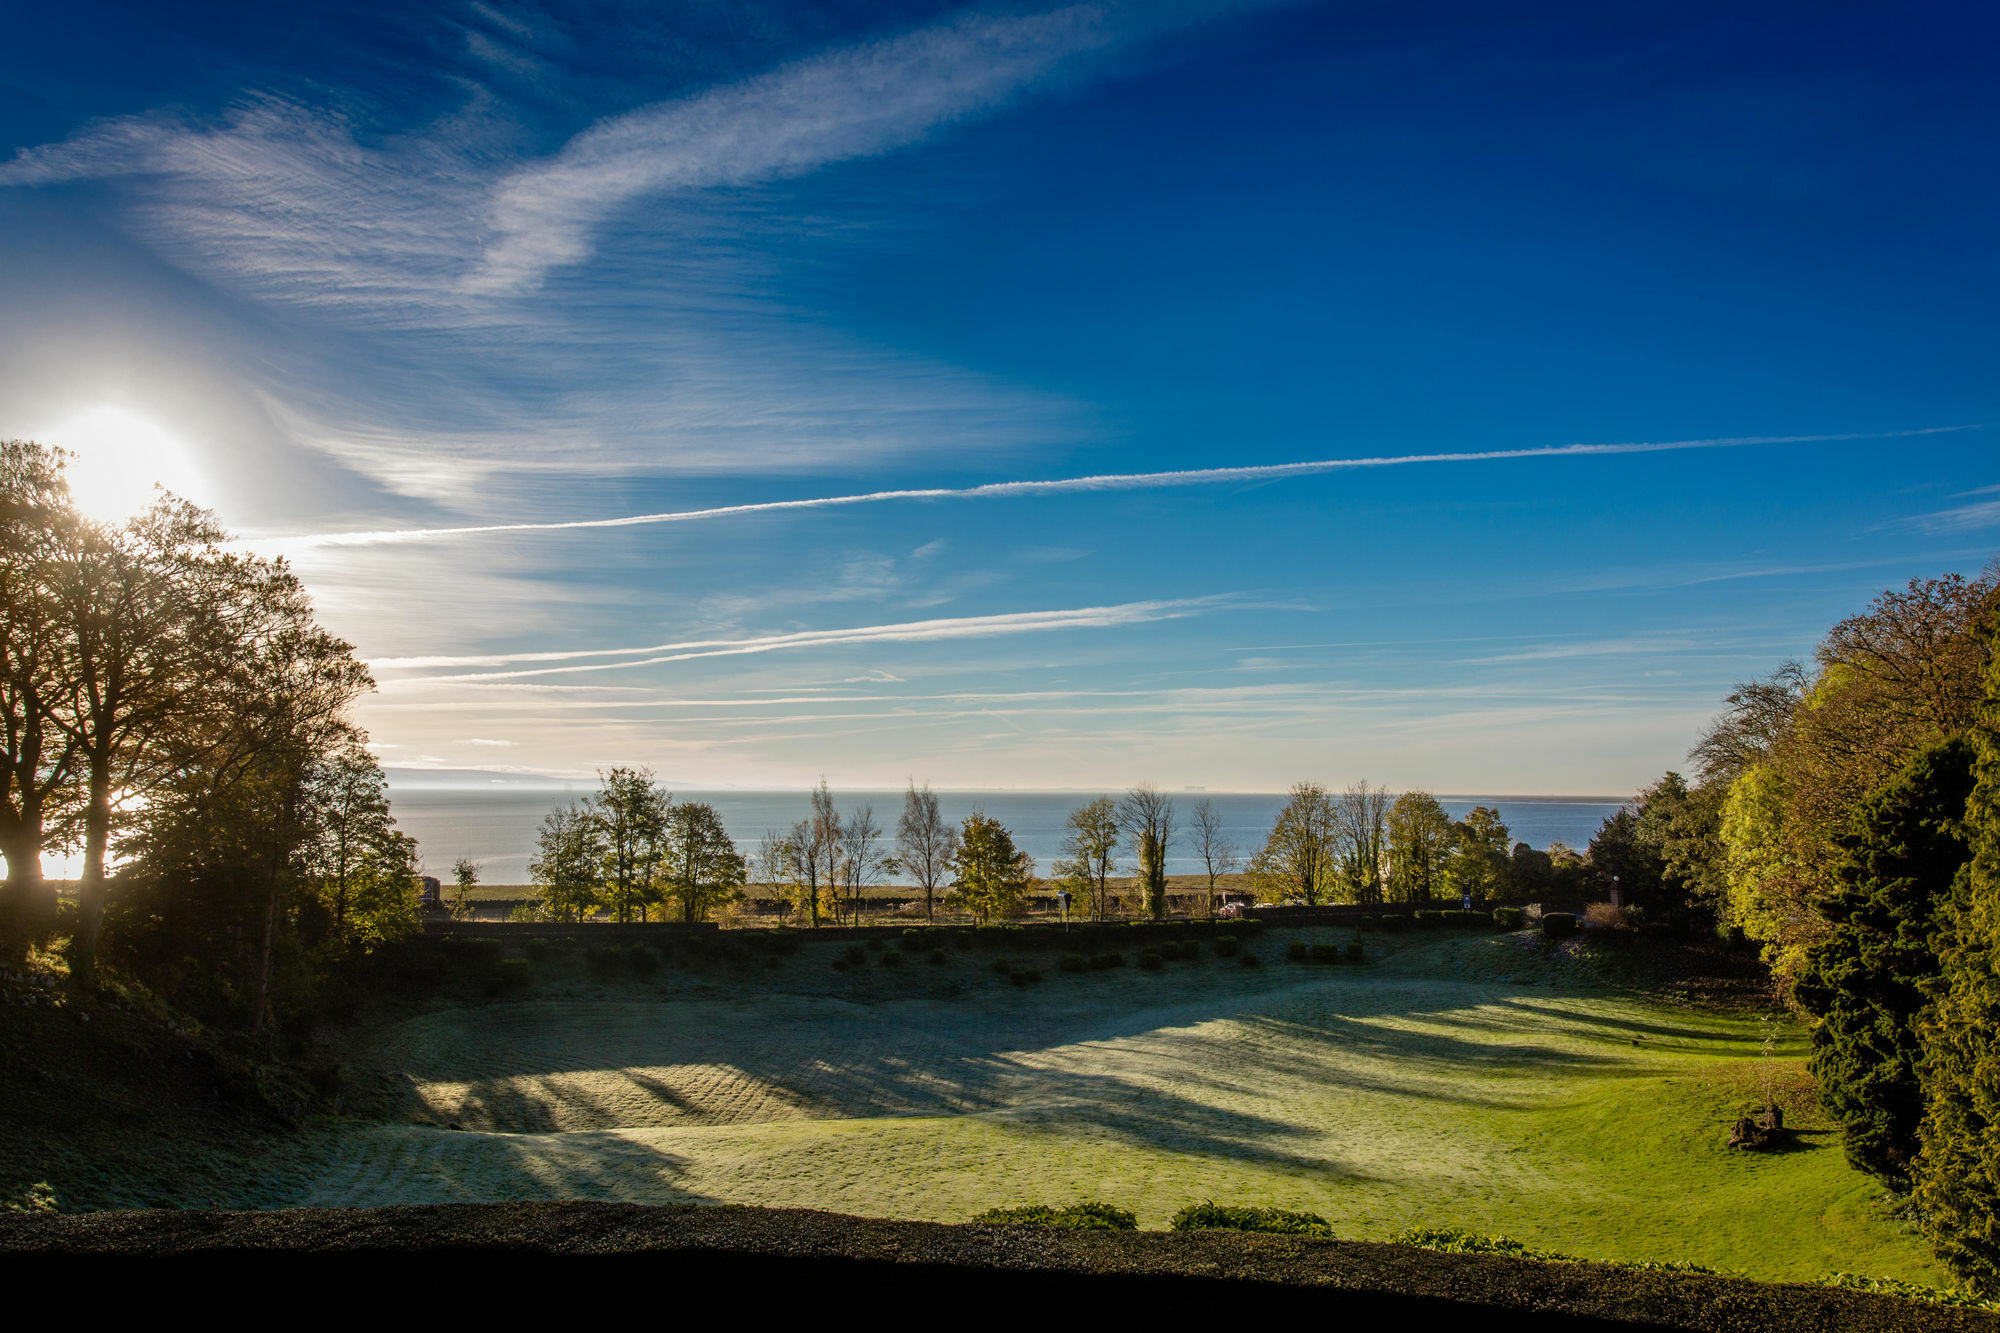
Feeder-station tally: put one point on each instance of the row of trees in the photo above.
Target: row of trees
(170, 707)
(630, 849)
(1845, 816)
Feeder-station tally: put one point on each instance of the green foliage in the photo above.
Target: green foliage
(1324, 953)
(1957, 1192)
(510, 975)
(1101, 961)
(1479, 859)
(1074, 962)
(1227, 946)
(1090, 1216)
(1559, 925)
(1419, 848)
(1210, 1216)
(1866, 980)
(1357, 952)
(1509, 918)
(1150, 961)
(1452, 1240)
(1296, 950)
(991, 874)
(937, 956)
(1910, 1291)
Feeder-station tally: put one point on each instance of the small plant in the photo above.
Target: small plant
(937, 956)
(1073, 962)
(892, 960)
(642, 960)
(1099, 962)
(875, 944)
(510, 974)
(1150, 961)
(1606, 916)
(1559, 925)
(856, 956)
(1509, 918)
(771, 963)
(1190, 949)
(1325, 953)
(39, 1197)
(1249, 960)
(1297, 951)
(1002, 966)
(1356, 951)
(1026, 976)
(1392, 924)
(1091, 1216)
(1226, 946)
(1210, 1216)
(1367, 921)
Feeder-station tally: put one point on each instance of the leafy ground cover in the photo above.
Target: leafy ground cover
(1486, 1083)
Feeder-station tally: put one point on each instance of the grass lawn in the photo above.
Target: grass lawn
(1457, 1082)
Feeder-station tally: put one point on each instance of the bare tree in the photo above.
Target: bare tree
(1090, 852)
(1364, 840)
(819, 849)
(1147, 815)
(926, 844)
(861, 860)
(1212, 846)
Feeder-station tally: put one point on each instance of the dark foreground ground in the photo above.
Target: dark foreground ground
(499, 1258)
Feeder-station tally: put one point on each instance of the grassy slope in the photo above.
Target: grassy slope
(1464, 1082)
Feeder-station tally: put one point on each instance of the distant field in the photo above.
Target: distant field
(1460, 1082)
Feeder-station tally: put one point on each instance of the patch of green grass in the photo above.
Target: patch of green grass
(1435, 1088)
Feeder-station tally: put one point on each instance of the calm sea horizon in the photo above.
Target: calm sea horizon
(497, 827)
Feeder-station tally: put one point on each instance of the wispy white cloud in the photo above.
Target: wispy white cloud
(1962, 518)
(963, 627)
(1127, 481)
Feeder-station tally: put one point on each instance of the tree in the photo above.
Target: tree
(569, 857)
(1212, 847)
(1419, 847)
(1478, 866)
(780, 863)
(991, 875)
(1530, 873)
(1090, 852)
(925, 844)
(701, 869)
(1362, 816)
(859, 858)
(818, 841)
(1621, 861)
(355, 856)
(38, 769)
(1957, 1192)
(464, 878)
(630, 811)
(1147, 816)
(1299, 858)
(1865, 981)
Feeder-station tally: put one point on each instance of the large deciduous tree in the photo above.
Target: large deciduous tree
(568, 860)
(1419, 847)
(1147, 815)
(1300, 857)
(1090, 852)
(630, 810)
(1363, 817)
(926, 844)
(992, 875)
(701, 869)
(1480, 852)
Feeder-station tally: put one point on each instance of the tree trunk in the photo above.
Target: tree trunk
(28, 903)
(266, 947)
(92, 886)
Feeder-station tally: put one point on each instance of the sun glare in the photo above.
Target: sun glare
(119, 457)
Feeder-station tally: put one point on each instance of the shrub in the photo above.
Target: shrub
(540, 948)
(1367, 921)
(1226, 946)
(1452, 1240)
(1150, 961)
(771, 962)
(1092, 1216)
(1606, 916)
(892, 960)
(1559, 925)
(1190, 949)
(1027, 976)
(1073, 962)
(605, 959)
(1001, 965)
(1104, 960)
(510, 974)
(1296, 951)
(937, 955)
(1426, 918)
(875, 943)
(1356, 951)
(962, 938)
(1393, 923)
(1508, 918)
(1209, 1216)
(1325, 953)
(642, 960)
(1249, 960)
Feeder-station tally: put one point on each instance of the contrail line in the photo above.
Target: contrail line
(1127, 481)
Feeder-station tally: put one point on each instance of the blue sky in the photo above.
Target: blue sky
(363, 278)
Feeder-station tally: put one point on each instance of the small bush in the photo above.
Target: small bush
(1210, 1216)
(642, 960)
(1426, 919)
(1099, 962)
(875, 944)
(1150, 961)
(1509, 918)
(1392, 924)
(510, 974)
(962, 938)
(892, 960)
(1606, 916)
(1090, 1216)
(1002, 966)
(1367, 921)
(1190, 950)
(1226, 946)
(1452, 1240)
(605, 959)
(1073, 962)
(1559, 925)
(1325, 953)
(855, 955)
(771, 962)
(1356, 951)
(1027, 976)
(540, 948)
(937, 955)
(1249, 960)
(1296, 951)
